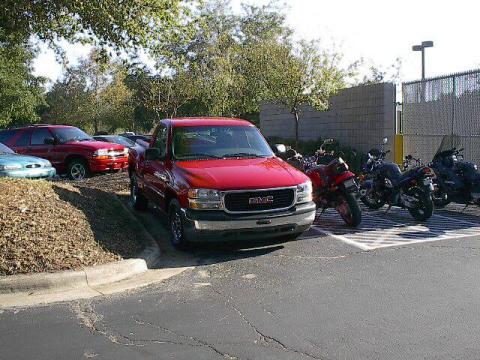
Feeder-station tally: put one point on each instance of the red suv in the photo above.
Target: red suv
(69, 149)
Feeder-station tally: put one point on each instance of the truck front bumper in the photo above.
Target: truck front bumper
(204, 226)
(105, 165)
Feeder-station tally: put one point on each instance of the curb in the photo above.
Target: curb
(73, 279)
(90, 276)
(151, 252)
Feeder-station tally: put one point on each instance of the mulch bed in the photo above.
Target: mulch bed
(52, 226)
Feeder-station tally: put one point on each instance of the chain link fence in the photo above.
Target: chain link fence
(439, 107)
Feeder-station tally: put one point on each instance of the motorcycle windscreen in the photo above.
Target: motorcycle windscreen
(448, 143)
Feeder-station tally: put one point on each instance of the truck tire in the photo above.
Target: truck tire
(77, 169)
(177, 234)
(139, 201)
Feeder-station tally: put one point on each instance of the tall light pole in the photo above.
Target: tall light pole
(425, 44)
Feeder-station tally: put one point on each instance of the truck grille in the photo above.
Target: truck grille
(263, 200)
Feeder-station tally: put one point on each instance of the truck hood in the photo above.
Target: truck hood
(238, 174)
(95, 145)
(24, 160)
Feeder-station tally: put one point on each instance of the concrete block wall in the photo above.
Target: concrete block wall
(360, 117)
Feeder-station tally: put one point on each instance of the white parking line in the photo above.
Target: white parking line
(380, 229)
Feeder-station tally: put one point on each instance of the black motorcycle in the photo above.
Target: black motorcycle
(456, 181)
(384, 183)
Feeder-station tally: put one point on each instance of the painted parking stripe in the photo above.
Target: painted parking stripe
(381, 229)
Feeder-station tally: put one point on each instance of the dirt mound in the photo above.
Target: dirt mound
(52, 226)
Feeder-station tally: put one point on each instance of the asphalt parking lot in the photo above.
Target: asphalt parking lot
(392, 289)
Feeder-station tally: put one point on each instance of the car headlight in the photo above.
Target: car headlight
(204, 199)
(304, 192)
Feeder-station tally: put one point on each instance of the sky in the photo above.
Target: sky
(377, 30)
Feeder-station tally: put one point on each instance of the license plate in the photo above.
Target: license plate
(349, 183)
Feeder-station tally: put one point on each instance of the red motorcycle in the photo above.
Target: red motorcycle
(334, 184)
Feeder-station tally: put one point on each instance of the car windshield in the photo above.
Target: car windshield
(70, 134)
(118, 140)
(5, 149)
(219, 142)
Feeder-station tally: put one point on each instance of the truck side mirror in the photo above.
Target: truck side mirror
(279, 149)
(154, 154)
(49, 141)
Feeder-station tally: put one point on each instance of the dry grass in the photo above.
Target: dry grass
(52, 226)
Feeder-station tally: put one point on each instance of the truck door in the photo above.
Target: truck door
(155, 175)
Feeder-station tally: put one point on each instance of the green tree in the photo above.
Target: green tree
(92, 95)
(305, 75)
(21, 93)
(119, 24)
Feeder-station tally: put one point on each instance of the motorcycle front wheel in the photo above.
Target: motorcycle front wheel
(349, 210)
(424, 210)
(371, 201)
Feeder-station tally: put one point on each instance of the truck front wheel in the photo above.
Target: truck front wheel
(177, 235)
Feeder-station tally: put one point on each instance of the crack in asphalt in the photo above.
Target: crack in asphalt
(93, 321)
(192, 338)
(265, 339)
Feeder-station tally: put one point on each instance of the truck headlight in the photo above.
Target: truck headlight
(10, 167)
(204, 199)
(101, 154)
(304, 192)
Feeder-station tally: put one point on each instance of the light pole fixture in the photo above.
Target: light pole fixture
(421, 47)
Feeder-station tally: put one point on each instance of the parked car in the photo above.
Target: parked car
(116, 139)
(134, 137)
(69, 149)
(22, 166)
(218, 179)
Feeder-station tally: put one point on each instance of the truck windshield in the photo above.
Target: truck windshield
(70, 134)
(218, 142)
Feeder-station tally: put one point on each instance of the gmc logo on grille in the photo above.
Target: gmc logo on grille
(260, 200)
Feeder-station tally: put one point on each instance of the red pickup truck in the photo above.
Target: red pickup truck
(218, 179)
(68, 148)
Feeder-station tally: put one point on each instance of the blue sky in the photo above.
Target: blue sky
(377, 30)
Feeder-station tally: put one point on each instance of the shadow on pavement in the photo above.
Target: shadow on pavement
(200, 254)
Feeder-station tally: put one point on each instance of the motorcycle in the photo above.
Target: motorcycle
(334, 185)
(384, 183)
(457, 180)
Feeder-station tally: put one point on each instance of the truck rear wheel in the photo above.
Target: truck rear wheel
(177, 234)
(139, 201)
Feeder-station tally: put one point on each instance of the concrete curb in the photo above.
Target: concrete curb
(89, 277)
(151, 252)
(74, 279)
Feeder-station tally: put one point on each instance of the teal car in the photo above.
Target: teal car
(22, 166)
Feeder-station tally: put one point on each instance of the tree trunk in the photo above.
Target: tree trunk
(295, 115)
